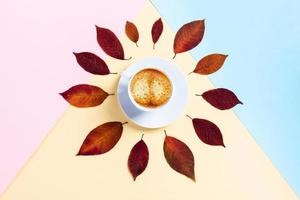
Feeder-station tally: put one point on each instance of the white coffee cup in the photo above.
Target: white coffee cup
(130, 77)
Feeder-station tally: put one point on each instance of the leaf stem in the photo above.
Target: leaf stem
(153, 46)
(198, 95)
(113, 73)
(142, 136)
(111, 94)
(165, 133)
(124, 123)
(174, 55)
(190, 73)
(136, 44)
(128, 58)
(189, 117)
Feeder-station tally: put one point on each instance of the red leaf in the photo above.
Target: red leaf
(156, 31)
(208, 132)
(221, 98)
(84, 95)
(101, 139)
(179, 157)
(92, 63)
(132, 32)
(189, 36)
(210, 64)
(138, 159)
(109, 42)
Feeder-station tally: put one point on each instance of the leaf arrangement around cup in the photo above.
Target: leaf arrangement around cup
(104, 137)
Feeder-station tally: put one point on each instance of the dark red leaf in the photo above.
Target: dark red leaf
(101, 139)
(221, 98)
(84, 95)
(109, 42)
(138, 159)
(179, 157)
(208, 132)
(92, 63)
(132, 32)
(156, 31)
(188, 36)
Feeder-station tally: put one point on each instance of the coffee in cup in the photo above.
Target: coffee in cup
(150, 88)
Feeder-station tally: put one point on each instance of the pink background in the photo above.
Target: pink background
(37, 39)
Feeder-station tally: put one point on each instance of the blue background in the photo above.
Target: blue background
(262, 39)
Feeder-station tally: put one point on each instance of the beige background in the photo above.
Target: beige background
(240, 171)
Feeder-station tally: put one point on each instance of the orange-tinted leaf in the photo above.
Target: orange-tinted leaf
(132, 32)
(109, 42)
(189, 36)
(179, 157)
(84, 95)
(92, 63)
(208, 132)
(138, 159)
(221, 98)
(157, 30)
(210, 64)
(101, 139)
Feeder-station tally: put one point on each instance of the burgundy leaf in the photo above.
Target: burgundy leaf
(92, 63)
(84, 95)
(138, 159)
(221, 98)
(101, 139)
(156, 31)
(208, 132)
(109, 42)
(179, 157)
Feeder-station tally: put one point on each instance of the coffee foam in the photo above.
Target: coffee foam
(150, 88)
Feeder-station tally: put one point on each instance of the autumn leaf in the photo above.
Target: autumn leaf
(210, 64)
(156, 31)
(84, 95)
(208, 132)
(138, 159)
(132, 32)
(92, 63)
(221, 98)
(101, 139)
(188, 36)
(109, 43)
(179, 157)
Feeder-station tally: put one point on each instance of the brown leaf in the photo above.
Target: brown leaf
(156, 31)
(84, 95)
(221, 98)
(189, 36)
(138, 159)
(132, 32)
(210, 64)
(208, 132)
(101, 139)
(179, 157)
(109, 42)
(92, 63)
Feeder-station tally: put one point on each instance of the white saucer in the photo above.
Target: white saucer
(164, 115)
